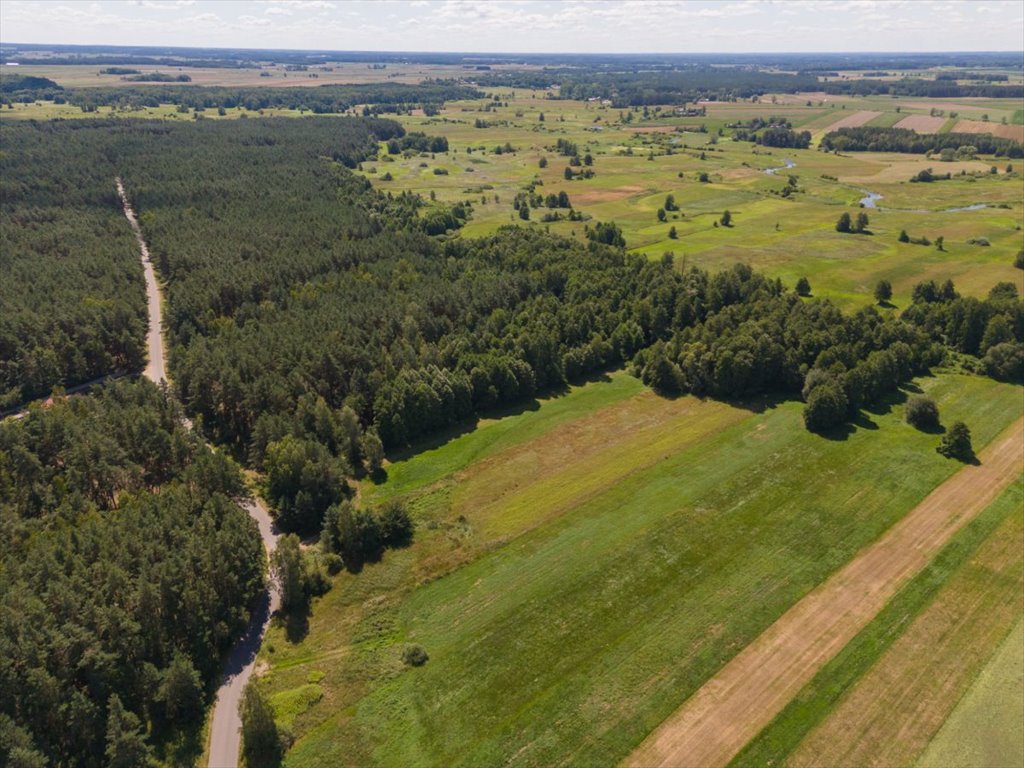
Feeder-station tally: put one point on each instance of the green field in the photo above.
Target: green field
(571, 640)
(911, 660)
(787, 237)
(987, 728)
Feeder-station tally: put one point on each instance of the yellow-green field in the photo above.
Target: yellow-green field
(581, 567)
(785, 236)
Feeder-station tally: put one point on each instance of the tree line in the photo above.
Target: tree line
(324, 99)
(876, 139)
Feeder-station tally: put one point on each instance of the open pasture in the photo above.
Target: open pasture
(637, 164)
(708, 518)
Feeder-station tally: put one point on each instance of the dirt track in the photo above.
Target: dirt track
(155, 371)
(226, 724)
(732, 707)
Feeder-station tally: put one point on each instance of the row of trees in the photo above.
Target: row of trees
(325, 99)
(128, 569)
(876, 139)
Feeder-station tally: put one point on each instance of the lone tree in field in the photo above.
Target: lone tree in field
(883, 291)
(661, 214)
(726, 219)
(956, 443)
(543, 162)
(670, 203)
(803, 287)
(922, 412)
(862, 223)
(568, 174)
(1018, 260)
(844, 224)
(904, 237)
(672, 234)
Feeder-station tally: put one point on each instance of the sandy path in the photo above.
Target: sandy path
(226, 725)
(732, 707)
(156, 370)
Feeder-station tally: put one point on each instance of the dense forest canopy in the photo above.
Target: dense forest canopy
(72, 291)
(128, 569)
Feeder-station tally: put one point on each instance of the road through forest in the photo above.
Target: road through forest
(226, 724)
(732, 707)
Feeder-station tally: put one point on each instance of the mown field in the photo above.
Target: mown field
(882, 700)
(610, 563)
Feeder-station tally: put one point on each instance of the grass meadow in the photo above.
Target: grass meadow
(569, 602)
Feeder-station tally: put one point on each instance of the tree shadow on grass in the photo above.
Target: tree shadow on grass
(757, 403)
(444, 436)
(296, 623)
(885, 405)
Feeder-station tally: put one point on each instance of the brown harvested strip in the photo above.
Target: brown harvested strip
(892, 713)
(855, 120)
(714, 724)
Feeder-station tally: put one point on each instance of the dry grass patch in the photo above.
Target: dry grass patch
(1015, 132)
(921, 123)
(855, 120)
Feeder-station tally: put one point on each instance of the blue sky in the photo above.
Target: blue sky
(600, 26)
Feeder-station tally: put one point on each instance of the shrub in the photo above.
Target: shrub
(956, 443)
(922, 413)
(826, 407)
(803, 287)
(883, 291)
(1005, 361)
(414, 655)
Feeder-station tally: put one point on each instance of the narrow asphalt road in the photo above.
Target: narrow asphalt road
(226, 725)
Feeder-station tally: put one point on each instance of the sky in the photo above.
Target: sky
(526, 26)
